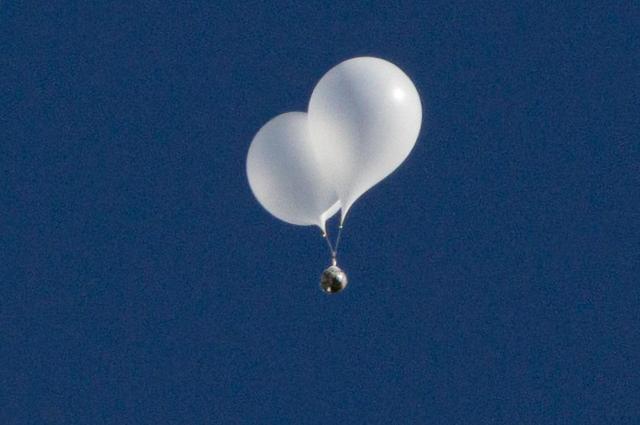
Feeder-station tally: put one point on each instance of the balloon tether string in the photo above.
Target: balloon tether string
(325, 235)
(333, 251)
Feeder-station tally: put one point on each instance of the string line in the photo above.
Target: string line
(325, 235)
(333, 250)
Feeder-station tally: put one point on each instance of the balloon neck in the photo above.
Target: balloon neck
(334, 260)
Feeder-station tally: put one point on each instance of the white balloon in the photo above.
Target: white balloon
(364, 118)
(286, 177)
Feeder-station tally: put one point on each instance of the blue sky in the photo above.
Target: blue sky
(493, 277)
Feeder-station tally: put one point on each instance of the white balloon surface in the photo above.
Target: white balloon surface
(285, 176)
(364, 119)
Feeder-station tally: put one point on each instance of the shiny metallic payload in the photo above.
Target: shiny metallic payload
(333, 280)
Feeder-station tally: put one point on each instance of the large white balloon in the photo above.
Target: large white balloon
(364, 119)
(286, 177)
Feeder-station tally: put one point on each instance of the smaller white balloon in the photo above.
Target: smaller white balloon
(364, 118)
(285, 175)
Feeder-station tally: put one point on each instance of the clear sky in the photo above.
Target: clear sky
(493, 277)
